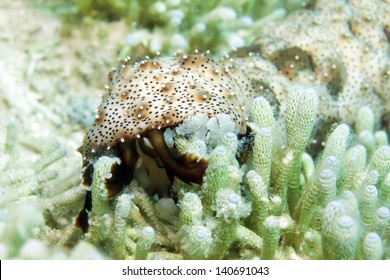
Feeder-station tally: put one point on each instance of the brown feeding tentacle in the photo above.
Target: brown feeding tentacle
(189, 172)
(146, 149)
(87, 174)
(122, 174)
(128, 155)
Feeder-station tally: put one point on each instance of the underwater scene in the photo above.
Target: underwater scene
(195, 130)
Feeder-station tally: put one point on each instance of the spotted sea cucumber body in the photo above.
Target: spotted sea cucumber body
(340, 49)
(162, 92)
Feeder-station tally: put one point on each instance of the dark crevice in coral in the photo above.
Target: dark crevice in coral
(246, 146)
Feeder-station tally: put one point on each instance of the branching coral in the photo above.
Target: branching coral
(34, 197)
(39, 169)
(167, 25)
(328, 221)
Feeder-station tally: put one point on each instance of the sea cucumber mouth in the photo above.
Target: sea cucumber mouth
(152, 143)
(185, 167)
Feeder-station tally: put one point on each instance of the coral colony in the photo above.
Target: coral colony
(278, 150)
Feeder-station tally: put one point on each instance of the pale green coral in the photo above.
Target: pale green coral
(196, 242)
(368, 199)
(212, 217)
(372, 246)
(146, 240)
(260, 201)
(271, 237)
(165, 25)
(344, 236)
(301, 112)
(327, 222)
